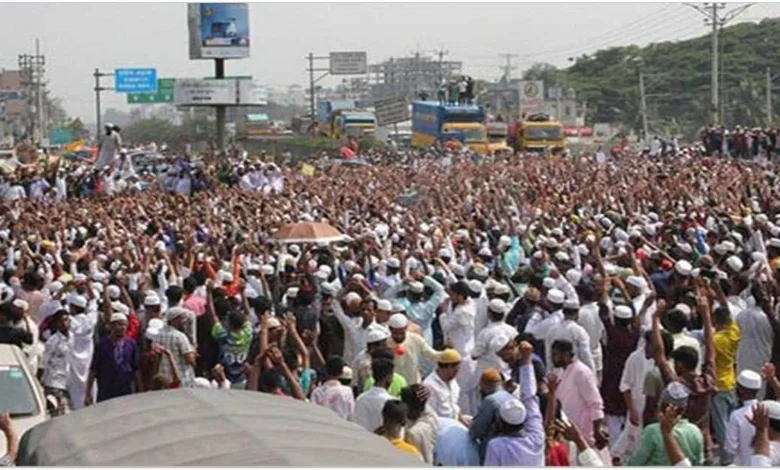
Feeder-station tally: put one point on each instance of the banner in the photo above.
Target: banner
(218, 30)
(307, 170)
(531, 96)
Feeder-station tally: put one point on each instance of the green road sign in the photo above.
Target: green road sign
(164, 93)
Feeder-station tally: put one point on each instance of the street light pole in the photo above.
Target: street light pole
(643, 104)
(98, 89)
(219, 73)
(769, 117)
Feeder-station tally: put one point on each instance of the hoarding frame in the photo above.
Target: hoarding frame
(349, 63)
(196, 13)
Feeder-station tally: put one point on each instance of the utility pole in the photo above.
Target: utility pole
(441, 53)
(711, 18)
(98, 89)
(313, 81)
(769, 117)
(643, 105)
(558, 97)
(31, 69)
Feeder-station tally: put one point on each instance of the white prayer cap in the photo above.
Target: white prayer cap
(720, 249)
(398, 320)
(556, 296)
(267, 269)
(114, 292)
(480, 270)
(294, 249)
(552, 243)
(120, 307)
(250, 293)
(21, 304)
(735, 263)
(562, 256)
(736, 236)
(504, 241)
(202, 382)
(762, 218)
(548, 283)
(154, 327)
(571, 303)
(773, 409)
(445, 253)
(624, 311)
(610, 269)
(512, 412)
(749, 379)
(758, 256)
(636, 281)
(393, 262)
(501, 289)
(376, 334)
(321, 275)
(118, 316)
(485, 251)
(475, 286)
(684, 308)
(683, 268)
(55, 287)
(774, 242)
(416, 287)
(458, 270)
(358, 277)
(384, 305)
(79, 301)
(292, 292)
(729, 246)
(574, 276)
(329, 289)
(152, 300)
(498, 306)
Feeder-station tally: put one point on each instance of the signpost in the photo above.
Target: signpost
(164, 93)
(135, 80)
(348, 63)
(531, 96)
(391, 111)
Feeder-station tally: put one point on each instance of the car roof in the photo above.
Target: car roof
(11, 355)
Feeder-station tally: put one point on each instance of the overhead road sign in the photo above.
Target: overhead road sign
(348, 63)
(164, 93)
(135, 80)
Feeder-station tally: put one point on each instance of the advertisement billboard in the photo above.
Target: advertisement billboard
(391, 111)
(205, 92)
(348, 63)
(218, 30)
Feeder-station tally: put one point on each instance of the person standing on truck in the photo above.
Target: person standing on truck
(469, 90)
(441, 92)
(454, 95)
(462, 88)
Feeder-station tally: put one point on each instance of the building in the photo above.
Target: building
(406, 77)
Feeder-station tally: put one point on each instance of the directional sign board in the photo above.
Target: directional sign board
(391, 111)
(135, 80)
(164, 93)
(348, 63)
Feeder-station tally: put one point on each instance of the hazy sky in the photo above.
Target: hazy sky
(77, 37)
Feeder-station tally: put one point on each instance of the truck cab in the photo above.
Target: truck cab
(355, 124)
(497, 133)
(540, 133)
(433, 122)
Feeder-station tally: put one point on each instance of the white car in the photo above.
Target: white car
(21, 394)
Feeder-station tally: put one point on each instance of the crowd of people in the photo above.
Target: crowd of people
(740, 142)
(508, 312)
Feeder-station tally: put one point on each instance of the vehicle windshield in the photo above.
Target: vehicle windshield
(474, 134)
(543, 133)
(16, 394)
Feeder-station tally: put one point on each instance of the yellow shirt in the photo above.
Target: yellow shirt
(726, 342)
(406, 447)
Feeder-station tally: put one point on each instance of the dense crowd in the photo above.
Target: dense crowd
(527, 311)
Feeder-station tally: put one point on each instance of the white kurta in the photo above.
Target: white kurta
(82, 328)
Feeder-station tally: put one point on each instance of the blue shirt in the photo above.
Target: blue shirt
(483, 424)
(454, 447)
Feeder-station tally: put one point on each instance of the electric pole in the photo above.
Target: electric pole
(508, 67)
(768, 97)
(441, 53)
(31, 69)
(711, 18)
(643, 105)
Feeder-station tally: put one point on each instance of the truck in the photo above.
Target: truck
(325, 111)
(434, 122)
(347, 124)
(497, 133)
(257, 125)
(538, 133)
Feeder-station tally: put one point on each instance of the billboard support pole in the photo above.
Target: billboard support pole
(219, 72)
(311, 85)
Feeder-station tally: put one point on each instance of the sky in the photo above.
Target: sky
(76, 38)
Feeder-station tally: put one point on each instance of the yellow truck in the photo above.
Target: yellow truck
(434, 122)
(497, 133)
(539, 133)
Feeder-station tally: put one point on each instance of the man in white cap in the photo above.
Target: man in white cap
(739, 431)
(355, 328)
(569, 330)
(458, 331)
(420, 311)
(519, 439)
(376, 338)
(114, 365)
(483, 352)
(175, 340)
(409, 348)
(543, 321)
(83, 320)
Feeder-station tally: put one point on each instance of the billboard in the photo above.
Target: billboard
(531, 96)
(135, 80)
(348, 63)
(251, 92)
(204, 92)
(391, 111)
(218, 30)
